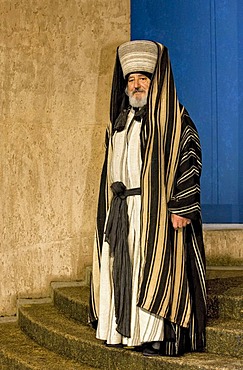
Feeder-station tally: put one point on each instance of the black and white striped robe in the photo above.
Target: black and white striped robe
(172, 271)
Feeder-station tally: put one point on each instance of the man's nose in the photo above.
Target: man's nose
(136, 83)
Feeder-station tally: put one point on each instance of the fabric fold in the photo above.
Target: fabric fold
(116, 235)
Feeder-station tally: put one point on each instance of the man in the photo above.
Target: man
(148, 281)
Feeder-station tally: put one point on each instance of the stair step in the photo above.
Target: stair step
(225, 337)
(221, 337)
(47, 326)
(225, 298)
(72, 301)
(19, 352)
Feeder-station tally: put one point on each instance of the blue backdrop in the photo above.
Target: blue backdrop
(205, 39)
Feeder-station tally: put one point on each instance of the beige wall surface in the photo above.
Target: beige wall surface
(56, 64)
(223, 244)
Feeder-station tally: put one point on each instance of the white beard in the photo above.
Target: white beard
(137, 103)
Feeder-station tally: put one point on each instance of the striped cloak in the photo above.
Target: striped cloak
(172, 281)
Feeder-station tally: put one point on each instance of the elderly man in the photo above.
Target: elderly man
(148, 282)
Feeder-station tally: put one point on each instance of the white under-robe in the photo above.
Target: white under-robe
(126, 167)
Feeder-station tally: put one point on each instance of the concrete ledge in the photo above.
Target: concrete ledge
(222, 227)
(7, 319)
(215, 272)
(223, 244)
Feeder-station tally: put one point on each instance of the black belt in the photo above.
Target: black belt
(116, 234)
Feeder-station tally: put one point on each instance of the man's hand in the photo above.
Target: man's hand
(179, 222)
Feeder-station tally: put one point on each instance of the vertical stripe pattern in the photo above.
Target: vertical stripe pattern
(172, 283)
(164, 289)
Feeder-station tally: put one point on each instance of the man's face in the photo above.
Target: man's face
(137, 89)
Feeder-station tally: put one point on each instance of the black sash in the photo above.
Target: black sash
(116, 234)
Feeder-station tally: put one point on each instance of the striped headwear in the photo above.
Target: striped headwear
(138, 56)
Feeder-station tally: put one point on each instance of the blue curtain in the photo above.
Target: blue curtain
(205, 40)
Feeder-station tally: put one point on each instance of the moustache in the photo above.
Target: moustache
(137, 90)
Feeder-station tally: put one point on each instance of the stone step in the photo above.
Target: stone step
(221, 272)
(72, 300)
(221, 337)
(225, 298)
(51, 329)
(5, 367)
(225, 337)
(19, 352)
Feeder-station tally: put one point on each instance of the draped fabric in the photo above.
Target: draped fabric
(172, 272)
(116, 234)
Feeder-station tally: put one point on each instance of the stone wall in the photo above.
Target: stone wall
(56, 64)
